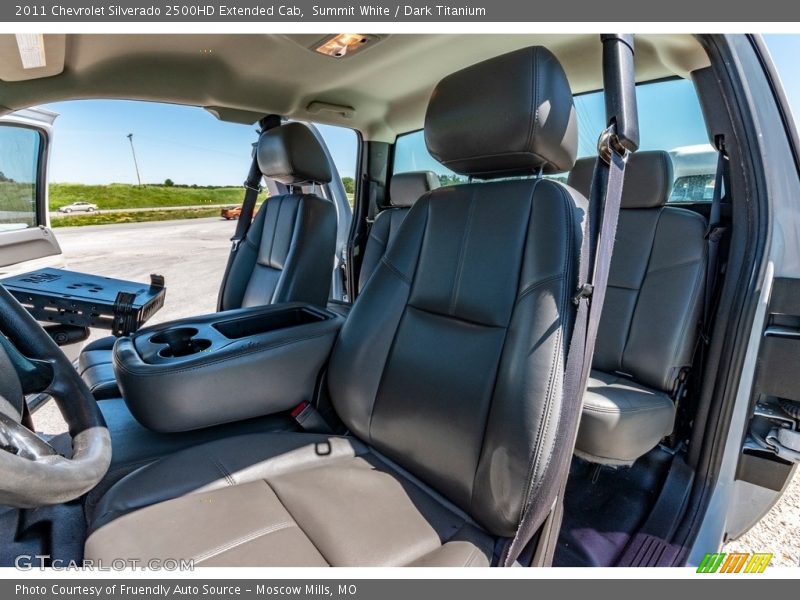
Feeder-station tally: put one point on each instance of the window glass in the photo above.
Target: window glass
(410, 154)
(19, 167)
(670, 119)
(342, 143)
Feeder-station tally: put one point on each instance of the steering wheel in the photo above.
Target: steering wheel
(32, 473)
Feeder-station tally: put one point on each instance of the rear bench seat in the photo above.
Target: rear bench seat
(650, 318)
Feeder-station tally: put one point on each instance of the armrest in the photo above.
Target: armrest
(231, 375)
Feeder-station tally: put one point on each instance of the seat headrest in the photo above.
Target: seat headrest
(407, 188)
(291, 154)
(509, 115)
(648, 179)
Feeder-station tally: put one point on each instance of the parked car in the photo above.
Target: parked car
(231, 212)
(79, 206)
(414, 415)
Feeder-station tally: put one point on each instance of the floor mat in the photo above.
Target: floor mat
(604, 506)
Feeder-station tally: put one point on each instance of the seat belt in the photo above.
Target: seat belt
(714, 235)
(605, 196)
(252, 189)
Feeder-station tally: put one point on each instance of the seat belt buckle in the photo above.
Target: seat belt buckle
(585, 292)
(309, 419)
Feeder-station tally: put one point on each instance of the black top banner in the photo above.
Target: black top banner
(409, 11)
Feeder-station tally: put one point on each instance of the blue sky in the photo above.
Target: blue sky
(189, 145)
(185, 144)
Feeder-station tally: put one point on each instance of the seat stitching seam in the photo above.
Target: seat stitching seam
(461, 252)
(395, 270)
(221, 549)
(639, 292)
(274, 231)
(297, 524)
(455, 318)
(699, 278)
(533, 286)
(536, 459)
(470, 558)
(687, 263)
(220, 467)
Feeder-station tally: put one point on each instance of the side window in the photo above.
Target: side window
(342, 143)
(670, 118)
(19, 171)
(410, 154)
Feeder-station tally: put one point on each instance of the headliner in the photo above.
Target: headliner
(381, 91)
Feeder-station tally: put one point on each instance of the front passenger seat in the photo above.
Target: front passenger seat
(448, 372)
(287, 255)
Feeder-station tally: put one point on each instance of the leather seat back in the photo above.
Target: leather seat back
(451, 362)
(289, 250)
(649, 325)
(404, 190)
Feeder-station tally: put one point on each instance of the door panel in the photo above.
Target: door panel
(19, 248)
(771, 448)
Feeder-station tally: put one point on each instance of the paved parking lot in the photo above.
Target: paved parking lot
(192, 254)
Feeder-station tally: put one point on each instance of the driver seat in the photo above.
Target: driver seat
(448, 373)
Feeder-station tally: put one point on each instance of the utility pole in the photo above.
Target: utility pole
(135, 164)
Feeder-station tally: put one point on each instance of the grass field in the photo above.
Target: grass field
(121, 196)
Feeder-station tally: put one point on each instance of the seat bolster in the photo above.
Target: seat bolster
(376, 245)
(621, 420)
(220, 464)
(101, 381)
(96, 353)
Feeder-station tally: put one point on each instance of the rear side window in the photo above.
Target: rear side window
(670, 118)
(19, 170)
(411, 154)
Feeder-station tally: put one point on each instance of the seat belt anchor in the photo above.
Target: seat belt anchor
(609, 143)
(585, 292)
(715, 233)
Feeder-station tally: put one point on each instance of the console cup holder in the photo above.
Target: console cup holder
(180, 342)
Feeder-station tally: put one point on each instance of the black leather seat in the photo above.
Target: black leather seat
(404, 190)
(448, 372)
(649, 325)
(287, 255)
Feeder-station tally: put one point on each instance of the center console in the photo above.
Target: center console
(224, 367)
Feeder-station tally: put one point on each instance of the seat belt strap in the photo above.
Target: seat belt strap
(594, 265)
(714, 235)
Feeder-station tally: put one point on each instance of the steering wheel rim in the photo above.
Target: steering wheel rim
(32, 475)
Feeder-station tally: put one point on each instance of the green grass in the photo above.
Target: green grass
(121, 196)
(75, 220)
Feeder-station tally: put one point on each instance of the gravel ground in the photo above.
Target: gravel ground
(192, 255)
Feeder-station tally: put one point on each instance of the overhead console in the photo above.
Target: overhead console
(224, 367)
